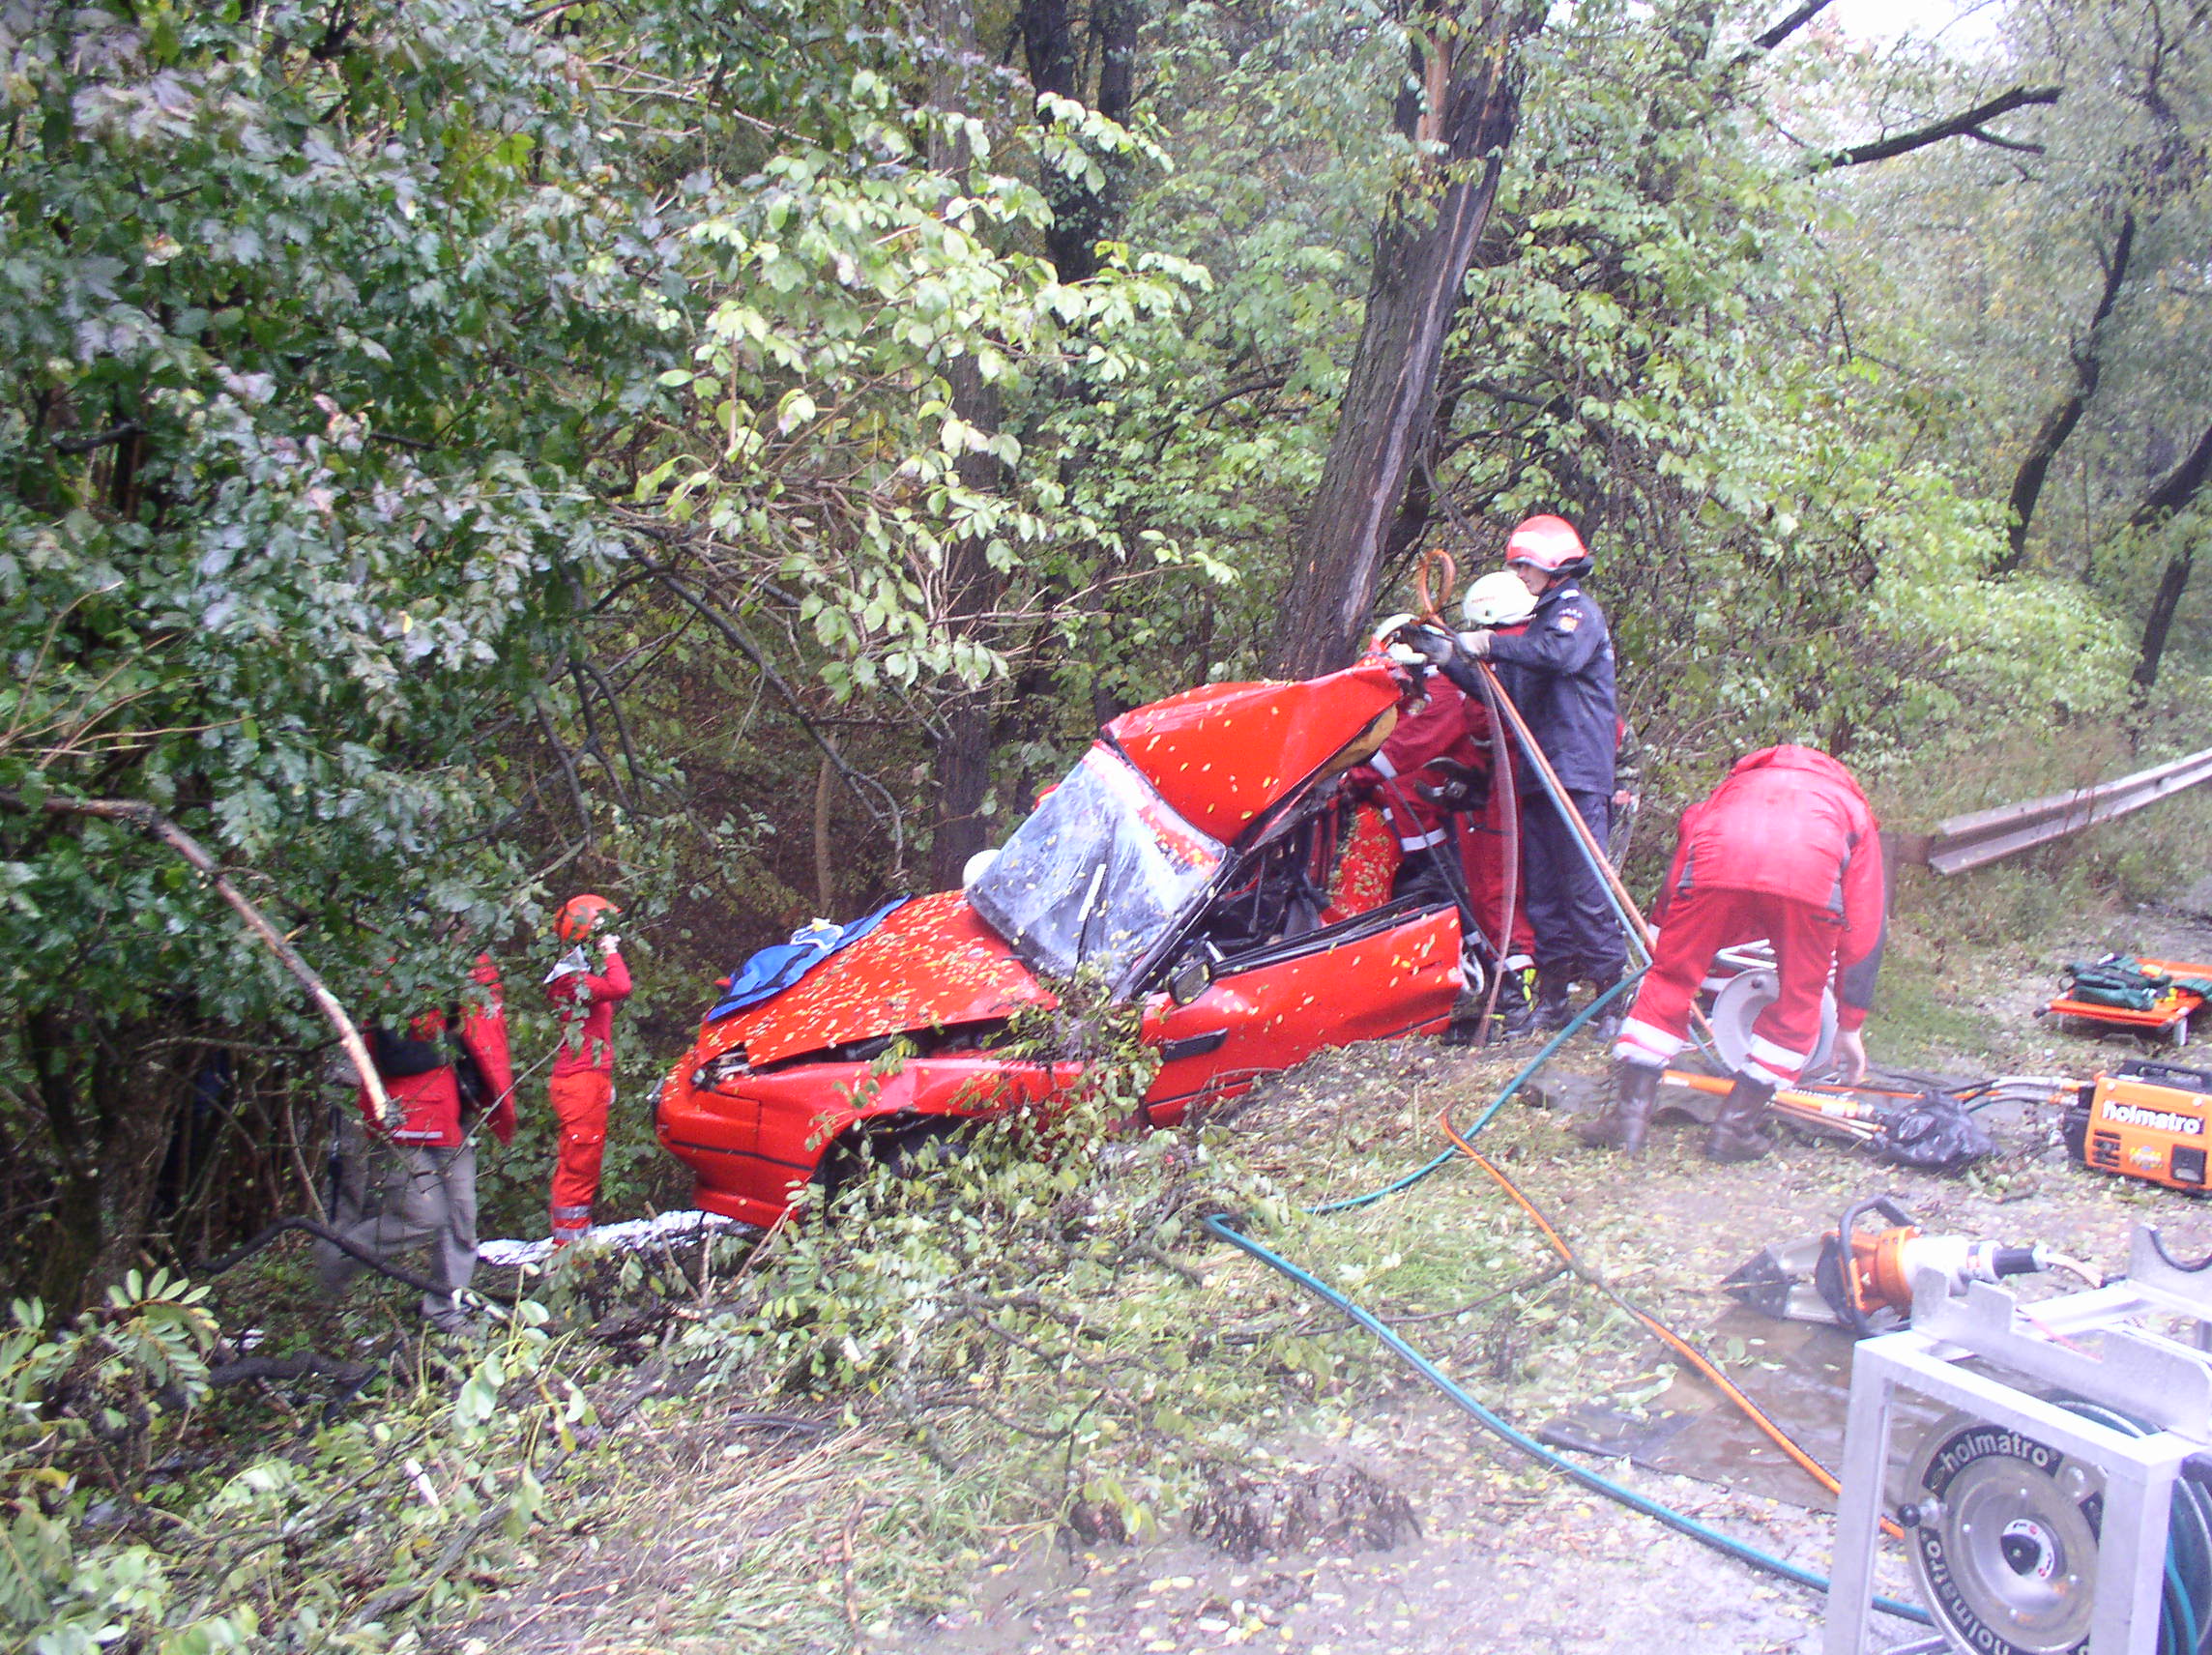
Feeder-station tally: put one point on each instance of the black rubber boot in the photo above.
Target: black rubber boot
(1623, 1126)
(1553, 1012)
(1605, 1026)
(1735, 1134)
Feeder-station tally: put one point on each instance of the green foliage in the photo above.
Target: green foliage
(999, 1270)
(254, 1551)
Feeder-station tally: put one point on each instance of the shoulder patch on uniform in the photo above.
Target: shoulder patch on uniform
(1569, 619)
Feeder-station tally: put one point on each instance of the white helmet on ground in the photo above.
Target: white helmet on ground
(1498, 598)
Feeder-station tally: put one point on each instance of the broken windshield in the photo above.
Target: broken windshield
(1098, 876)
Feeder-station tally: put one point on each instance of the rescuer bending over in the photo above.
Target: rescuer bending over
(1787, 849)
(1559, 672)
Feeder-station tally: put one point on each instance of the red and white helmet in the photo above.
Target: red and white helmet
(1548, 544)
(580, 916)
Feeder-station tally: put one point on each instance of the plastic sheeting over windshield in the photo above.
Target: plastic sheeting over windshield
(1098, 876)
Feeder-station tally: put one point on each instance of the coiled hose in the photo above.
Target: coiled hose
(2185, 1608)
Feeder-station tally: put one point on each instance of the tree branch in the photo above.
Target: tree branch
(160, 826)
(2058, 424)
(1994, 143)
(98, 440)
(1789, 25)
(2178, 487)
(2174, 493)
(1957, 126)
(753, 652)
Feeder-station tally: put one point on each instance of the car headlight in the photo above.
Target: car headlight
(715, 1072)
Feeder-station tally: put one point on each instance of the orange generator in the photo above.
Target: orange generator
(2148, 1121)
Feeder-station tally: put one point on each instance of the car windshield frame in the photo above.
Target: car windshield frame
(1101, 875)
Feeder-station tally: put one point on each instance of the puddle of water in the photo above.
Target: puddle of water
(1801, 1379)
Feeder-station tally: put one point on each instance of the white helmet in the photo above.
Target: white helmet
(1498, 598)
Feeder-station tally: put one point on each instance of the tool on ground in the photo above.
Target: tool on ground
(1861, 1279)
(2062, 1505)
(2154, 999)
(1840, 1116)
(2147, 1121)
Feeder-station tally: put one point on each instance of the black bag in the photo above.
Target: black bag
(1933, 1131)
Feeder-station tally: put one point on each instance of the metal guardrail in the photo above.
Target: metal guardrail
(1985, 836)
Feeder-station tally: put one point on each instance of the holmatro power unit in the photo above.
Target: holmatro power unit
(2150, 1120)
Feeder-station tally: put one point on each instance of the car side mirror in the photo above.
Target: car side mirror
(1191, 977)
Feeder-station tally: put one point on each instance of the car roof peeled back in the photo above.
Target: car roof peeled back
(1225, 754)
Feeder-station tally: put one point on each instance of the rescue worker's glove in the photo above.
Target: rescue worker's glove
(1462, 787)
(1427, 644)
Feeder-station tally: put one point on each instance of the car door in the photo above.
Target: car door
(1372, 977)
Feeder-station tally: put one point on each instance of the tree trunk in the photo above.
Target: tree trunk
(1422, 249)
(62, 1273)
(825, 865)
(2173, 494)
(1081, 216)
(2058, 424)
(960, 769)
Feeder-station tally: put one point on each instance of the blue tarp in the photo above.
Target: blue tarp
(771, 970)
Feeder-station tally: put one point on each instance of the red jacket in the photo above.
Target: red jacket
(1791, 822)
(1450, 725)
(587, 1008)
(429, 1099)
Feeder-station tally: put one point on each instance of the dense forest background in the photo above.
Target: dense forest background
(730, 456)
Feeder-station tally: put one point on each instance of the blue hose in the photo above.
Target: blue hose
(1496, 1423)
(1499, 1427)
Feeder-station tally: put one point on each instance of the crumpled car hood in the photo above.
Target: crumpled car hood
(930, 963)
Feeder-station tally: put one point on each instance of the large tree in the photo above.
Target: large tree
(1457, 115)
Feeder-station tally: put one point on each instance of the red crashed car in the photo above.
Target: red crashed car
(1196, 845)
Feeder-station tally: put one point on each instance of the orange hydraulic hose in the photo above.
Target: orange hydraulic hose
(1832, 1111)
(1811, 1468)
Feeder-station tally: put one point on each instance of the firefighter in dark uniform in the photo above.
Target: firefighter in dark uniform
(1559, 671)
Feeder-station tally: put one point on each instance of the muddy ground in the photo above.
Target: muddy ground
(1451, 1541)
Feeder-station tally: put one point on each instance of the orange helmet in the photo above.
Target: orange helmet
(580, 916)
(1550, 544)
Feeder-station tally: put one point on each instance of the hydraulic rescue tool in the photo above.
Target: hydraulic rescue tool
(1861, 1279)
(2062, 1504)
(2146, 1121)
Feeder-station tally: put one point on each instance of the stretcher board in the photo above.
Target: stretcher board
(2169, 1017)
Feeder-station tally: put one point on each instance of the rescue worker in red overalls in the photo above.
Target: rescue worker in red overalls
(1787, 849)
(443, 1071)
(583, 1081)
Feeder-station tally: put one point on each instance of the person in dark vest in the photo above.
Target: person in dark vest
(1559, 671)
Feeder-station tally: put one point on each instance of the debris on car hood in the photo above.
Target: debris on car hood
(931, 963)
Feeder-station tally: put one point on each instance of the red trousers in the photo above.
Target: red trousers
(1700, 925)
(580, 1100)
(1482, 842)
